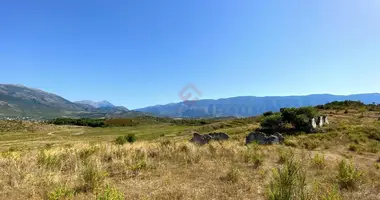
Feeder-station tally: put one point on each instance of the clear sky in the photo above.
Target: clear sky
(143, 52)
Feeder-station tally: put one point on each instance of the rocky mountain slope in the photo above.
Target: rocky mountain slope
(21, 101)
(100, 104)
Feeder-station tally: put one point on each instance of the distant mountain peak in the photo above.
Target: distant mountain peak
(100, 104)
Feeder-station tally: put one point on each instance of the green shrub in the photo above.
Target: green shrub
(299, 118)
(319, 161)
(288, 182)
(121, 140)
(61, 193)
(349, 176)
(131, 138)
(124, 139)
(285, 155)
(269, 113)
(272, 122)
(49, 159)
(92, 177)
(111, 193)
(332, 194)
(254, 157)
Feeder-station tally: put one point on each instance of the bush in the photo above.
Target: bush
(111, 193)
(332, 193)
(272, 122)
(49, 160)
(319, 161)
(131, 138)
(92, 177)
(299, 118)
(61, 193)
(288, 182)
(252, 156)
(121, 140)
(285, 155)
(269, 113)
(348, 176)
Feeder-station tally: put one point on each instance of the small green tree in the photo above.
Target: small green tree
(131, 138)
(272, 122)
(269, 113)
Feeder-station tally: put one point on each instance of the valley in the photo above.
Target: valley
(46, 161)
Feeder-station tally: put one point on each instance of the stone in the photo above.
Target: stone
(313, 123)
(219, 136)
(280, 137)
(200, 139)
(258, 137)
(320, 121)
(325, 120)
(261, 138)
(206, 138)
(272, 139)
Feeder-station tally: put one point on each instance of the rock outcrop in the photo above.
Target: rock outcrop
(262, 138)
(206, 138)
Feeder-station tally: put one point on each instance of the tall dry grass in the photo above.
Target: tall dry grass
(161, 170)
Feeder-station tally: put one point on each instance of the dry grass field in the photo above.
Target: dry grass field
(67, 162)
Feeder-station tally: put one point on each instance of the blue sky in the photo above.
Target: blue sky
(140, 53)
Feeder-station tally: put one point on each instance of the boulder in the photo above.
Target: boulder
(325, 120)
(219, 136)
(258, 137)
(280, 137)
(320, 121)
(272, 139)
(200, 139)
(313, 123)
(261, 138)
(206, 138)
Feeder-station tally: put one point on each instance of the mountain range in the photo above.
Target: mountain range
(249, 105)
(21, 101)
